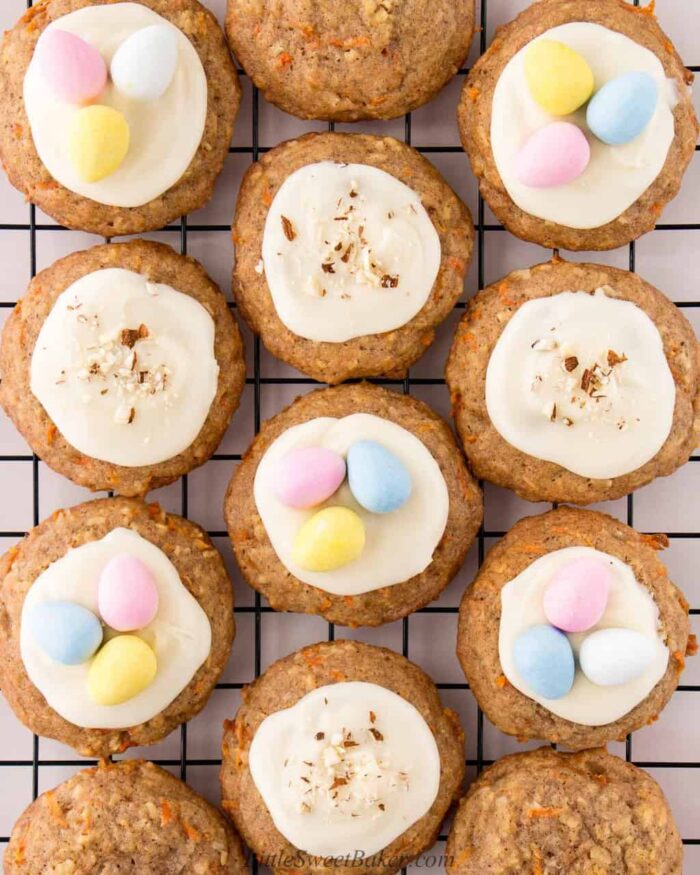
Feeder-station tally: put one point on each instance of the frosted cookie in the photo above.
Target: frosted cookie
(122, 112)
(117, 621)
(360, 59)
(579, 123)
(582, 814)
(574, 382)
(353, 503)
(350, 251)
(341, 752)
(122, 366)
(123, 817)
(572, 631)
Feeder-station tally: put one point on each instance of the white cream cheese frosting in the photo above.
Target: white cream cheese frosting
(350, 767)
(398, 545)
(582, 380)
(180, 634)
(164, 133)
(630, 606)
(126, 368)
(348, 250)
(617, 175)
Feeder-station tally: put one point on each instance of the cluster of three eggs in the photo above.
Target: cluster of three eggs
(561, 82)
(141, 69)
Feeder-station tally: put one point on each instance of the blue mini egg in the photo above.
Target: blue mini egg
(378, 479)
(545, 661)
(622, 108)
(67, 632)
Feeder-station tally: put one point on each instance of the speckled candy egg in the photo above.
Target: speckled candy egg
(610, 657)
(72, 69)
(559, 79)
(308, 476)
(124, 667)
(144, 64)
(127, 594)
(98, 142)
(545, 661)
(331, 538)
(378, 479)
(67, 632)
(554, 155)
(577, 595)
(623, 107)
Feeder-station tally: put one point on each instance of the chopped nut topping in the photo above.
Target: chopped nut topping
(389, 282)
(570, 363)
(327, 267)
(288, 229)
(615, 359)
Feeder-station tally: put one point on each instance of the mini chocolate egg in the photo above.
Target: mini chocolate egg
(559, 79)
(124, 667)
(127, 595)
(329, 539)
(554, 155)
(577, 595)
(67, 632)
(73, 69)
(99, 141)
(545, 661)
(610, 657)
(622, 108)
(307, 476)
(144, 64)
(378, 479)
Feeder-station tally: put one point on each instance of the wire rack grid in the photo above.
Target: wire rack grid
(29, 491)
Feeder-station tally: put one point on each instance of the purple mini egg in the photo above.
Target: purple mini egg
(554, 155)
(308, 476)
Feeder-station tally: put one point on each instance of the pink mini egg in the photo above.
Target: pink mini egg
(556, 154)
(577, 595)
(72, 68)
(127, 596)
(307, 476)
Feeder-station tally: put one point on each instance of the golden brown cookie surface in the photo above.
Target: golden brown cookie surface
(160, 264)
(130, 816)
(360, 59)
(258, 560)
(27, 172)
(280, 687)
(386, 354)
(475, 121)
(480, 619)
(582, 814)
(201, 570)
(484, 321)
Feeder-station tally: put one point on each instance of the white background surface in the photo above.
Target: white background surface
(669, 257)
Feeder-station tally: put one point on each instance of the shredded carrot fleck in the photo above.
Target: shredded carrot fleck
(456, 263)
(267, 197)
(20, 859)
(166, 812)
(656, 209)
(51, 433)
(191, 833)
(680, 659)
(354, 43)
(55, 809)
(533, 549)
(284, 59)
(692, 647)
(501, 681)
(544, 812)
(656, 542)
(377, 101)
(537, 861)
(229, 805)
(463, 857)
(468, 338)
(470, 438)
(473, 93)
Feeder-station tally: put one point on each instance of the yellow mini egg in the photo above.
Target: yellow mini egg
(329, 539)
(98, 141)
(124, 667)
(559, 79)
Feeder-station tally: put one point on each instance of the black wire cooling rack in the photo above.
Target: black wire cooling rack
(179, 233)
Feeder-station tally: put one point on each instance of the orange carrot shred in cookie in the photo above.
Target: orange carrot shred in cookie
(544, 812)
(284, 59)
(692, 646)
(166, 812)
